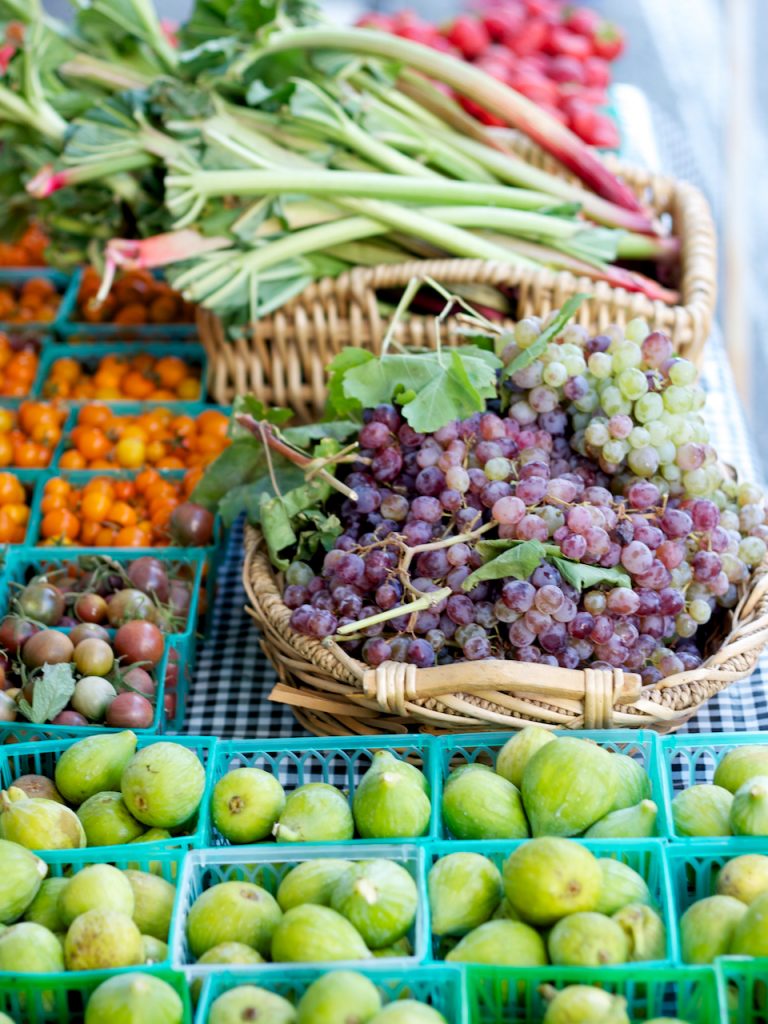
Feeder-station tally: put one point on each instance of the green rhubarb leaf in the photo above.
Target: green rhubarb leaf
(519, 562)
(529, 355)
(52, 692)
(580, 575)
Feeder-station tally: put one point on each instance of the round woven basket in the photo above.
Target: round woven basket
(282, 358)
(332, 693)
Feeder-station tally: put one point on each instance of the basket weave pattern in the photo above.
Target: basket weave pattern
(282, 359)
(332, 693)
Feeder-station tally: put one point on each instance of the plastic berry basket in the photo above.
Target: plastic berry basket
(694, 866)
(267, 866)
(743, 990)
(89, 355)
(70, 329)
(341, 762)
(454, 751)
(691, 760)
(32, 480)
(646, 856)
(62, 998)
(39, 758)
(513, 996)
(64, 285)
(440, 986)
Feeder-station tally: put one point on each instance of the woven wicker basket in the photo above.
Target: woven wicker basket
(334, 694)
(283, 358)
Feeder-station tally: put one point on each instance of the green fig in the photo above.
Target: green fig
(153, 900)
(134, 998)
(315, 813)
(568, 785)
(518, 750)
(464, 891)
(232, 912)
(751, 935)
(749, 810)
(44, 908)
(702, 810)
(155, 950)
(621, 885)
(107, 821)
(39, 824)
(390, 805)
(312, 934)
(385, 761)
(225, 953)
(93, 765)
(407, 1011)
(587, 940)
(20, 879)
(95, 887)
(707, 928)
(311, 882)
(246, 804)
(37, 786)
(339, 997)
(744, 878)
(483, 805)
(632, 782)
(29, 948)
(645, 931)
(545, 879)
(250, 1003)
(504, 943)
(153, 835)
(402, 947)
(102, 939)
(637, 822)
(163, 784)
(379, 898)
(586, 1004)
(740, 765)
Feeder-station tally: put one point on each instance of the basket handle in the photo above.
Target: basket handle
(393, 685)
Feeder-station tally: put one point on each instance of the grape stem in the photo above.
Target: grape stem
(419, 605)
(446, 542)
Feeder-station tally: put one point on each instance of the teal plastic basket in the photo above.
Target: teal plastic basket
(646, 856)
(744, 990)
(62, 998)
(439, 986)
(691, 759)
(72, 330)
(39, 758)
(64, 285)
(502, 995)
(341, 761)
(640, 744)
(32, 481)
(267, 866)
(694, 865)
(91, 355)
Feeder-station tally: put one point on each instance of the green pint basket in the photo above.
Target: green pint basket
(744, 990)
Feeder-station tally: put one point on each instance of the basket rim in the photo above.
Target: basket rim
(734, 660)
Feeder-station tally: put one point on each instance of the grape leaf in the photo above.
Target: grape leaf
(528, 355)
(277, 515)
(520, 562)
(323, 530)
(452, 387)
(490, 548)
(338, 403)
(242, 463)
(301, 437)
(580, 575)
(53, 689)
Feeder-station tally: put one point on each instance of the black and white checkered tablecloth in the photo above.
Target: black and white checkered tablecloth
(229, 694)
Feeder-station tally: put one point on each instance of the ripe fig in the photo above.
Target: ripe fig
(407, 1011)
(505, 943)
(482, 805)
(645, 931)
(402, 947)
(153, 899)
(338, 998)
(568, 785)
(134, 998)
(545, 879)
(632, 782)
(249, 1003)
(751, 935)
(702, 810)
(621, 885)
(225, 953)
(44, 908)
(36, 787)
(740, 765)
(744, 878)
(390, 805)
(707, 928)
(638, 822)
(586, 1004)
(311, 882)
(312, 934)
(155, 950)
(587, 940)
(517, 752)
(232, 912)
(315, 813)
(39, 824)
(464, 891)
(101, 939)
(385, 761)
(107, 821)
(163, 784)
(379, 898)
(29, 948)
(20, 880)
(246, 804)
(95, 887)
(749, 810)
(94, 765)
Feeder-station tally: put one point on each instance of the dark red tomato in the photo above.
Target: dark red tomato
(192, 525)
(597, 72)
(608, 41)
(582, 20)
(530, 38)
(469, 35)
(91, 608)
(169, 704)
(138, 679)
(48, 647)
(42, 601)
(130, 711)
(70, 718)
(139, 642)
(148, 574)
(86, 630)
(14, 632)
